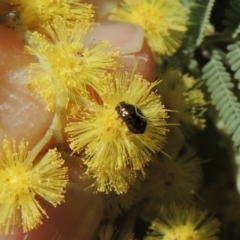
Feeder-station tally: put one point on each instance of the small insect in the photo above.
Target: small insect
(132, 117)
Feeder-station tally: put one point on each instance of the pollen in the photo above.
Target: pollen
(174, 179)
(22, 181)
(107, 179)
(164, 22)
(105, 137)
(37, 13)
(182, 94)
(183, 223)
(66, 67)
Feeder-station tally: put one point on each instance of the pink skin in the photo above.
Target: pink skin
(23, 116)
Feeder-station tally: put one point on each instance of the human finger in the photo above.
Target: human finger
(23, 116)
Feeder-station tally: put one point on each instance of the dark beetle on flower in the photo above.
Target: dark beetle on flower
(132, 117)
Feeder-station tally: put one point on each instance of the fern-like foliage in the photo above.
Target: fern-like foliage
(232, 18)
(199, 19)
(234, 58)
(219, 84)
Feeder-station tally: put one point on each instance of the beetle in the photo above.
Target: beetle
(132, 116)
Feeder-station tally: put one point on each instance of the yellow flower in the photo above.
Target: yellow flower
(164, 22)
(109, 179)
(174, 179)
(181, 93)
(37, 13)
(66, 67)
(115, 142)
(21, 181)
(183, 223)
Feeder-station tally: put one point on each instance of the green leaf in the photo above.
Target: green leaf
(198, 17)
(219, 85)
(200, 12)
(234, 58)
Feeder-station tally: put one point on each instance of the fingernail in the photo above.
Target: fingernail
(127, 37)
